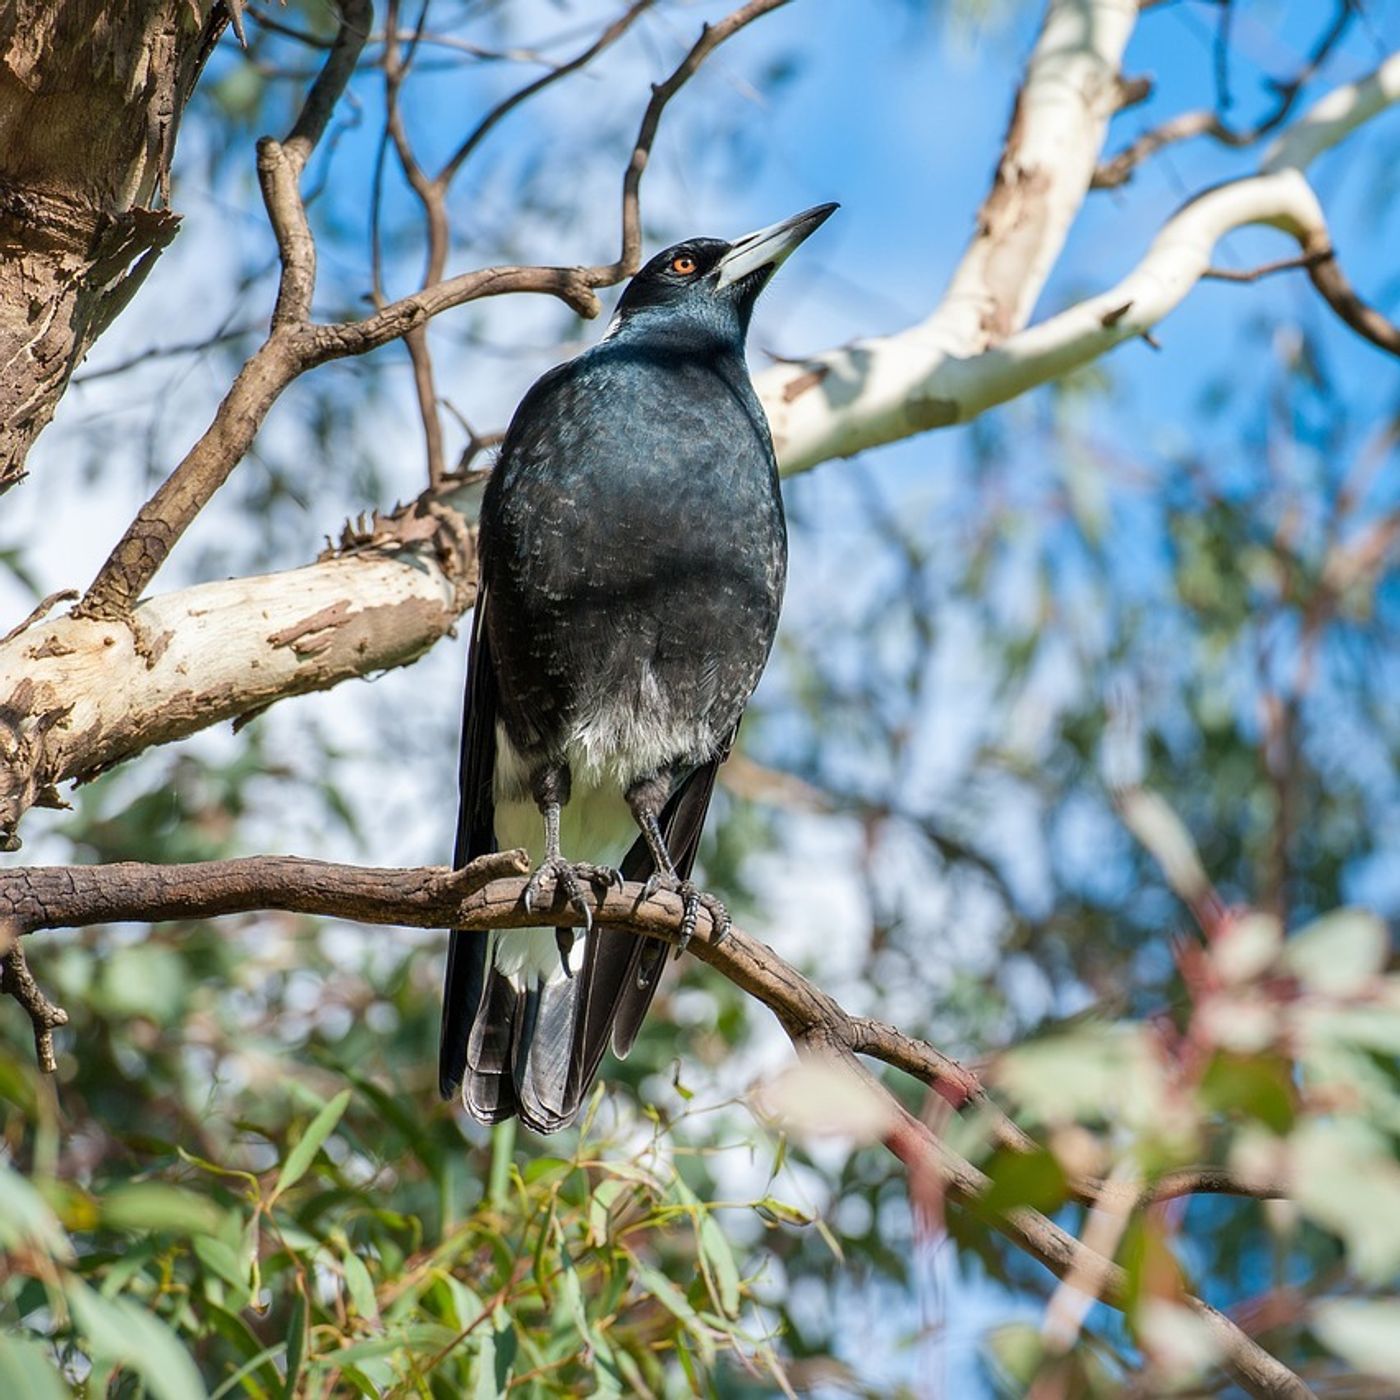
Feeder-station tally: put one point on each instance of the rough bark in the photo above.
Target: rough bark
(91, 95)
(78, 695)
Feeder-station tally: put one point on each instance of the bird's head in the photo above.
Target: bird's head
(708, 285)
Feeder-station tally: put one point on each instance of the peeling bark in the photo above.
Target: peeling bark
(90, 100)
(78, 695)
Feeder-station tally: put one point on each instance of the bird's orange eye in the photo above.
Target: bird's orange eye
(684, 264)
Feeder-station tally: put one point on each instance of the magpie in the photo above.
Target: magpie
(632, 554)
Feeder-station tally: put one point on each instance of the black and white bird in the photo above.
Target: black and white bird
(632, 558)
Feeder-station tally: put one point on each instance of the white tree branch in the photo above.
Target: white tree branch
(78, 695)
(874, 391)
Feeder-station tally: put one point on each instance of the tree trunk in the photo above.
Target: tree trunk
(91, 95)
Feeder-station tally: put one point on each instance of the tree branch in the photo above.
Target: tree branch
(1205, 122)
(170, 512)
(489, 895)
(79, 695)
(845, 400)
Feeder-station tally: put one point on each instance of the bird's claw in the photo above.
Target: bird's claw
(693, 899)
(607, 877)
(562, 874)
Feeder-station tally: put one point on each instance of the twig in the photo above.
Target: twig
(1118, 169)
(1253, 274)
(17, 981)
(41, 609)
(711, 37)
(484, 127)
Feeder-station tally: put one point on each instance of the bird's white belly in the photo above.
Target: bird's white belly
(595, 825)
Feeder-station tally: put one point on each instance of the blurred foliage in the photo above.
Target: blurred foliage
(242, 1183)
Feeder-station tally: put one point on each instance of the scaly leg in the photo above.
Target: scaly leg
(647, 798)
(551, 790)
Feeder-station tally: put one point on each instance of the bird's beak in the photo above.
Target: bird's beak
(768, 248)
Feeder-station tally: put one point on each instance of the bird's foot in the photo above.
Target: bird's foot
(572, 879)
(693, 899)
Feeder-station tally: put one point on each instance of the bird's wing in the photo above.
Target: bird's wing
(473, 992)
(621, 970)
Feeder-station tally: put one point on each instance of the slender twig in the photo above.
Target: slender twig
(1118, 169)
(487, 124)
(1268, 269)
(17, 981)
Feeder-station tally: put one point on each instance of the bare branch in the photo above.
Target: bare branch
(169, 513)
(857, 396)
(487, 124)
(1119, 169)
(711, 37)
(17, 981)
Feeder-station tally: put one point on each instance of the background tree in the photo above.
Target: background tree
(1021, 662)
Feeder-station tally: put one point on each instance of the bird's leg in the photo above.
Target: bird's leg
(647, 798)
(551, 791)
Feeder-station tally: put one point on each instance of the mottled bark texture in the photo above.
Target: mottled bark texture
(90, 100)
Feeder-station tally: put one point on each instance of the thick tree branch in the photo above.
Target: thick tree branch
(845, 400)
(78, 695)
(489, 894)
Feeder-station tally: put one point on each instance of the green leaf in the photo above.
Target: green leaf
(1364, 1334)
(221, 1259)
(779, 1212)
(715, 1249)
(677, 1304)
(359, 1284)
(152, 1205)
(1017, 1350)
(1257, 1086)
(26, 1218)
(116, 1329)
(296, 1345)
(1339, 953)
(1033, 1179)
(300, 1158)
(25, 1370)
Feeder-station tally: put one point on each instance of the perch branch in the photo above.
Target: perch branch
(488, 895)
